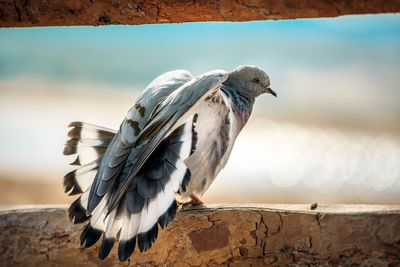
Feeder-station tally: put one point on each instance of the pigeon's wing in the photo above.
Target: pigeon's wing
(171, 114)
(114, 160)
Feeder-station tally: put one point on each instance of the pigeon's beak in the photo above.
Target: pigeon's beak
(270, 91)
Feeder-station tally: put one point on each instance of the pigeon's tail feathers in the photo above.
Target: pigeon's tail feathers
(108, 226)
(149, 202)
(88, 141)
(77, 211)
(127, 238)
(97, 225)
(152, 193)
(80, 180)
(113, 226)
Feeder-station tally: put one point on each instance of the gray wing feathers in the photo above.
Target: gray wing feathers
(172, 110)
(121, 146)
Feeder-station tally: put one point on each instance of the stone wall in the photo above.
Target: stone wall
(25, 13)
(215, 235)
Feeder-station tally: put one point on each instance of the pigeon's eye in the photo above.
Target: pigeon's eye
(256, 80)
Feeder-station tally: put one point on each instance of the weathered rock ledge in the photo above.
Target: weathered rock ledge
(234, 235)
(24, 13)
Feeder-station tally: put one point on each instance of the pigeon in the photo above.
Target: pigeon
(170, 146)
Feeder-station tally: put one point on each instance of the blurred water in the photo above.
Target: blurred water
(273, 161)
(270, 156)
(332, 135)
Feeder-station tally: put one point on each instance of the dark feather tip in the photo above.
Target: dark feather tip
(126, 248)
(168, 215)
(76, 162)
(146, 240)
(77, 213)
(186, 180)
(70, 184)
(196, 115)
(69, 150)
(89, 236)
(106, 247)
(75, 132)
(75, 124)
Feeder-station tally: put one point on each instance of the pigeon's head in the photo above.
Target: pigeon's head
(251, 81)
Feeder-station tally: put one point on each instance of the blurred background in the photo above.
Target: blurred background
(331, 136)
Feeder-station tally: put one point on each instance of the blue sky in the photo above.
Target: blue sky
(128, 55)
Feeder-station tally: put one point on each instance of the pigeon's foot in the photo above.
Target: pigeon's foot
(194, 201)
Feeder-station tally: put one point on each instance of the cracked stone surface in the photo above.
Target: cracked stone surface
(25, 13)
(219, 235)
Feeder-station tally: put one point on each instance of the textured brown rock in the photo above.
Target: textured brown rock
(24, 13)
(256, 235)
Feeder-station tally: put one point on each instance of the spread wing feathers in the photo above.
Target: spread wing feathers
(169, 115)
(149, 201)
(110, 169)
(88, 141)
(114, 167)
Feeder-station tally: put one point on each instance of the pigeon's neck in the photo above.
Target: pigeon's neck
(242, 104)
